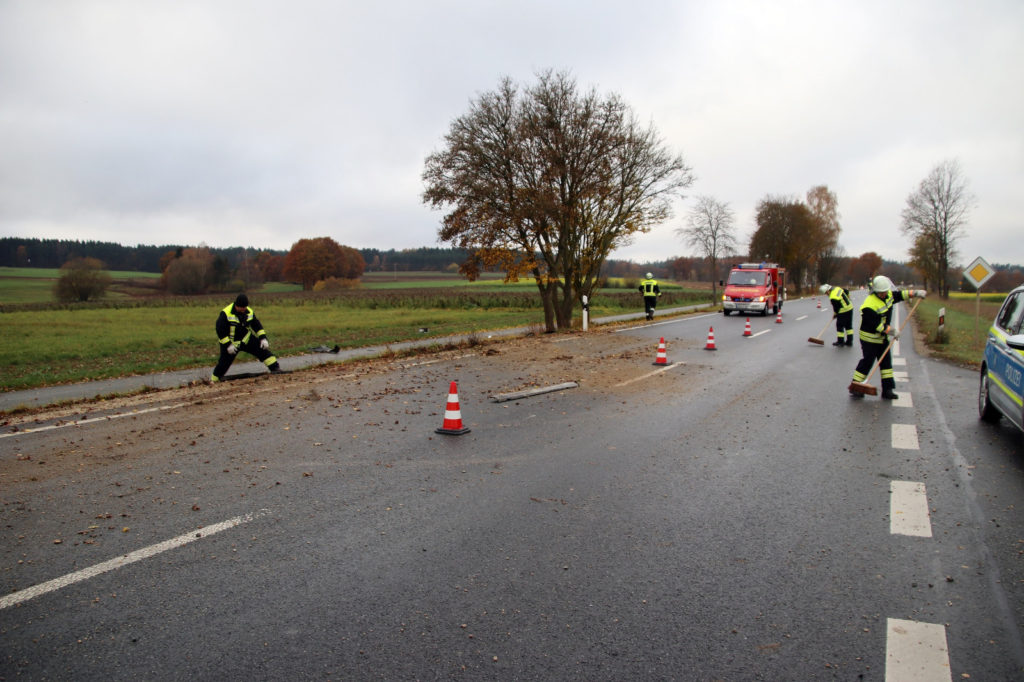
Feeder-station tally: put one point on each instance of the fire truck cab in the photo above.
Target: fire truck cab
(754, 288)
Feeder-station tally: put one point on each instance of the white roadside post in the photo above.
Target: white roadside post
(586, 312)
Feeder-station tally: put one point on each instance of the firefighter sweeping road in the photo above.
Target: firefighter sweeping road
(618, 509)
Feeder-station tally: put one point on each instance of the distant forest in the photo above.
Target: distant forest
(53, 253)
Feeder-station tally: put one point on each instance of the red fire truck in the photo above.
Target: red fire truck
(754, 288)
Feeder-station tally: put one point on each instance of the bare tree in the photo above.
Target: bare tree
(709, 229)
(936, 216)
(549, 181)
(824, 206)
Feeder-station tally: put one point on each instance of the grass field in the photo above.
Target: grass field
(46, 344)
(133, 332)
(965, 329)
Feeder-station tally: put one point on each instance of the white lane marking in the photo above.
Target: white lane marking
(916, 652)
(686, 318)
(765, 331)
(650, 374)
(905, 399)
(908, 509)
(904, 437)
(899, 361)
(802, 317)
(138, 555)
(900, 376)
(93, 420)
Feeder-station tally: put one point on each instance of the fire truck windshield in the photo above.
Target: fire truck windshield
(748, 278)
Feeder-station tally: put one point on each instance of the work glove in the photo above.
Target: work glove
(920, 293)
(893, 334)
(231, 349)
(264, 344)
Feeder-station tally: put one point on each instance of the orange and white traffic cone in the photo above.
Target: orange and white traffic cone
(819, 303)
(711, 339)
(746, 329)
(662, 357)
(452, 415)
(778, 318)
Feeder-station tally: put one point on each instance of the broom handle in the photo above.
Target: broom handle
(898, 333)
(826, 326)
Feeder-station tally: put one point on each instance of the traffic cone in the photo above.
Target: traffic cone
(452, 415)
(746, 329)
(819, 303)
(778, 318)
(662, 358)
(711, 339)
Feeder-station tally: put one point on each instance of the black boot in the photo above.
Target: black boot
(889, 394)
(849, 341)
(839, 343)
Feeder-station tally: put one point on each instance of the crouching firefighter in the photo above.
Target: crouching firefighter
(238, 329)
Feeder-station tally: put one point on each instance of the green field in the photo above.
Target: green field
(966, 331)
(47, 343)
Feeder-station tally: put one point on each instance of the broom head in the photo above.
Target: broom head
(863, 389)
(817, 341)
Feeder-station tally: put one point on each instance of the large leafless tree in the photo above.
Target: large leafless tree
(710, 229)
(802, 237)
(935, 217)
(547, 181)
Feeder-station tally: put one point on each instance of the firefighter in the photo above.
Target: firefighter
(875, 330)
(651, 292)
(843, 309)
(238, 329)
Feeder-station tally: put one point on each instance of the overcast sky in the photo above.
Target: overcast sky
(261, 122)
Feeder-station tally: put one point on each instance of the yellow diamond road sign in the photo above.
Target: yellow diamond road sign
(979, 272)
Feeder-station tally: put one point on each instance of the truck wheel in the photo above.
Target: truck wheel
(726, 312)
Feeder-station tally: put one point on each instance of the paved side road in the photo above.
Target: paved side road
(51, 395)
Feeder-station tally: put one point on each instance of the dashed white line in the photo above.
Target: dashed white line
(651, 374)
(138, 555)
(916, 652)
(763, 331)
(904, 437)
(908, 509)
(905, 399)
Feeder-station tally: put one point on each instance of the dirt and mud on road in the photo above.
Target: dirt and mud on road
(366, 399)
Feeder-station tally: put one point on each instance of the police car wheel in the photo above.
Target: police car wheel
(986, 410)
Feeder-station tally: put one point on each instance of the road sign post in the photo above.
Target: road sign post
(977, 273)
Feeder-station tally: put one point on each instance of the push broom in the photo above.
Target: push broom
(817, 339)
(865, 388)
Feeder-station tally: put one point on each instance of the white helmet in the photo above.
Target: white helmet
(650, 275)
(881, 284)
(825, 288)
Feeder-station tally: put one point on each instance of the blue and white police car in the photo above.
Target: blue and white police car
(1001, 392)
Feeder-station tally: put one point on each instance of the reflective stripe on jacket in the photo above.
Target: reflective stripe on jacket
(649, 287)
(232, 328)
(840, 300)
(875, 315)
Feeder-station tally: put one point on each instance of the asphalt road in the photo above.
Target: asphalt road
(733, 515)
